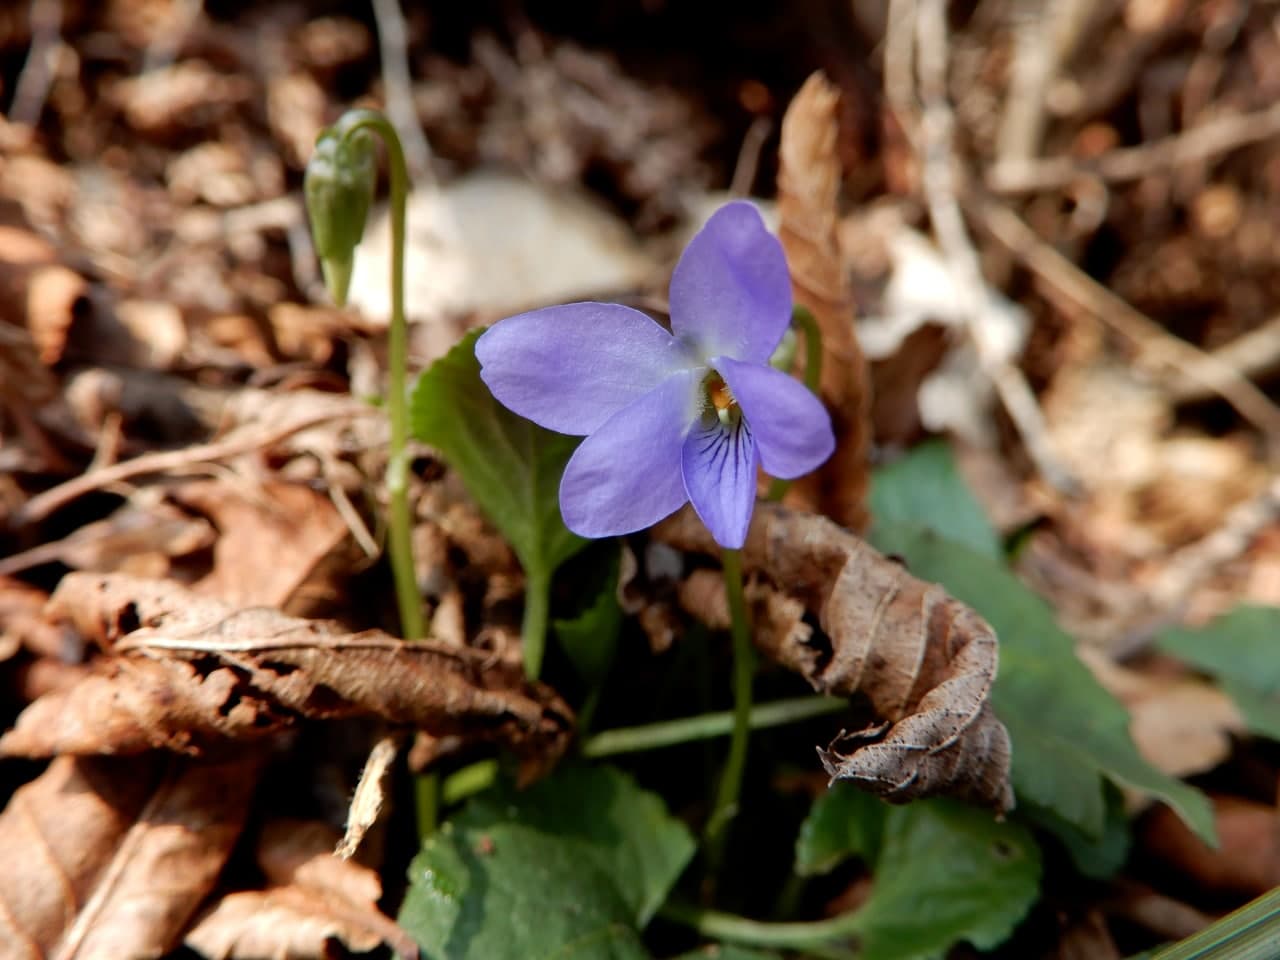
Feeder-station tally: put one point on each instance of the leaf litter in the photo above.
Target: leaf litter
(157, 332)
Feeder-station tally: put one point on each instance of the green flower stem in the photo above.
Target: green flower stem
(533, 627)
(704, 726)
(468, 780)
(726, 805)
(819, 938)
(426, 802)
(400, 535)
(804, 321)
(1250, 933)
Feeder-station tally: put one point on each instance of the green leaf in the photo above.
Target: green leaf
(1099, 857)
(572, 867)
(590, 639)
(1261, 711)
(1239, 649)
(844, 822)
(510, 465)
(925, 489)
(1067, 730)
(726, 951)
(946, 872)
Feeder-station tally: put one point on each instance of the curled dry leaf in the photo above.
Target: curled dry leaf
(187, 672)
(314, 898)
(923, 661)
(808, 184)
(109, 857)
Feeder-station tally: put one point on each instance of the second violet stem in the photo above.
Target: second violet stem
(400, 527)
(726, 805)
(804, 320)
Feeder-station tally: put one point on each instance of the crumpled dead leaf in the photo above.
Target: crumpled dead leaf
(313, 898)
(188, 673)
(127, 850)
(922, 661)
(808, 184)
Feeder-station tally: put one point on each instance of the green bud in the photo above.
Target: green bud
(339, 185)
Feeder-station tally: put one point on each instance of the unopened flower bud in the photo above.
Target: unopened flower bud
(339, 185)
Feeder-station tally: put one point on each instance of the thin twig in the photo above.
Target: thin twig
(1132, 163)
(1045, 35)
(1254, 354)
(393, 34)
(939, 184)
(744, 171)
(32, 89)
(244, 440)
(1156, 346)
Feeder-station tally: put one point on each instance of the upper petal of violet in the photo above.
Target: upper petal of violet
(731, 292)
(626, 475)
(791, 426)
(570, 368)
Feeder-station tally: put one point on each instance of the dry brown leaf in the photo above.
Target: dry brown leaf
(276, 545)
(139, 538)
(290, 923)
(314, 897)
(923, 661)
(22, 621)
(1182, 726)
(189, 672)
(808, 184)
(107, 859)
(1246, 861)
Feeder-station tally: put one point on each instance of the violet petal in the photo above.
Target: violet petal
(731, 291)
(719, 467)
(570, 368)
(791, 426)
(626, 475)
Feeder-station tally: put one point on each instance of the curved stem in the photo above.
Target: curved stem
(804, 321)
(743, 667)
(816, 938)
(400, 532)
(668, 733)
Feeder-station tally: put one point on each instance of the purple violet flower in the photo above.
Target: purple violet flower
(669, 417)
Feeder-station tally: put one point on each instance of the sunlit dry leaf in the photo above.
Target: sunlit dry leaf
(274, 541)
(923, 661)
(108, 858)
(44, 298)
(291, 923)
(22, 621)
(189, 672)
(369, 796)
(808, 185)
(314, 897)
(1182, 726)
(188, 94)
